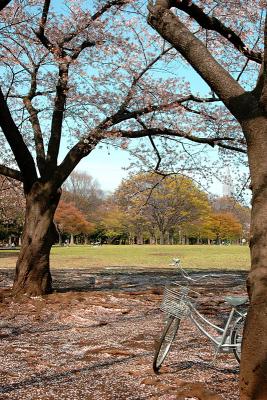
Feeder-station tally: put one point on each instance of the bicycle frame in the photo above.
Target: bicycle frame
(178, 303)
(222, 343)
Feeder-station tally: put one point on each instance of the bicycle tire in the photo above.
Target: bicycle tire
(236, 337)
(165, 342)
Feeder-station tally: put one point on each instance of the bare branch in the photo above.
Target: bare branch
(11, 173)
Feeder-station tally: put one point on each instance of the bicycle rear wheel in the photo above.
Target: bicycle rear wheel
(165, 342)
(236, 337)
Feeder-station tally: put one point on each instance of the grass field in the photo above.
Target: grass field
(206, 257)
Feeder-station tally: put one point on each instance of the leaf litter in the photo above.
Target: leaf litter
(97, 341)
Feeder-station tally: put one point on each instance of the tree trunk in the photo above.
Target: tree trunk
(71, 239)
(253, 369)
(33, 275)
(167, 241)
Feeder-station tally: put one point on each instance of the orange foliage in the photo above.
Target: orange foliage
(71, 220)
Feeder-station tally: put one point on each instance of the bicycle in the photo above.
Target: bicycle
(179, 302)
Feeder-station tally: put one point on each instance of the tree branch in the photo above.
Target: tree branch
(124, 115)
(52, 48)
(57, 117)
(33, 112)
(4, 3)
(22, 155)
(107, 6)
(215, 141)
(152, 144)
(79, 151)
(86, 44)
(94, 17)
(195, 52)
(44, 16)
(212, 23)
(11, 173)
(137, 78)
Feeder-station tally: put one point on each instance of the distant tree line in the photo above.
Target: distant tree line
(146, 208)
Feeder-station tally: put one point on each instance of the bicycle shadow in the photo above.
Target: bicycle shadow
(203, 366)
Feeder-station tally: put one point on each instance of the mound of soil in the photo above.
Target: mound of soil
(94, 339)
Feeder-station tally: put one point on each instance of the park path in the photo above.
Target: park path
(94, 339)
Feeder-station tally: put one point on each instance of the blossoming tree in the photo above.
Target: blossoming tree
(77, 75)
(225, 41)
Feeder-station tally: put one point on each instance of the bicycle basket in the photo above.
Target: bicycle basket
(178, 300)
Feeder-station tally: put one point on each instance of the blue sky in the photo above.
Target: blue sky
(106, 166)
(109, 166)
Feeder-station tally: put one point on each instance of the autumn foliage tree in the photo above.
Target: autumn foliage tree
(113, 221)
(223, 226)
(71, 221)
(161, 205)
(226, 204)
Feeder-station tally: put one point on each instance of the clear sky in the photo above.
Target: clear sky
(106, 166)
(109, 167)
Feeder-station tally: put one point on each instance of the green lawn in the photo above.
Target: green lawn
(212, 257)
(224, 257)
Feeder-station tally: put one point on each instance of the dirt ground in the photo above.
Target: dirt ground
(94, 339)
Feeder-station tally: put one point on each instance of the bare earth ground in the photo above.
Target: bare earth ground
(95, 340)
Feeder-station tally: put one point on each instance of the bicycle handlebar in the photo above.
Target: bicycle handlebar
(177, 263)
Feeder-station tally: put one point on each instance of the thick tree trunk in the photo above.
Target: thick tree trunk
(32, 270)
(253, 369)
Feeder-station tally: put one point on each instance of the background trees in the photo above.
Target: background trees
(172, 210)
(12, 206)
(82, 190)
(134, 214)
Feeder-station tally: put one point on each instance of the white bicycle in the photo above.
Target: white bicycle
(180, 302)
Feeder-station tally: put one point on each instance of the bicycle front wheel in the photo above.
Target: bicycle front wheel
(165, 342)
(236, 337)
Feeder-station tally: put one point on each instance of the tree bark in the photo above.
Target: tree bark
(33, 276)
(253, 369)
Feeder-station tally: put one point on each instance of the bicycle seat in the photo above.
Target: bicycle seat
(235, 300)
